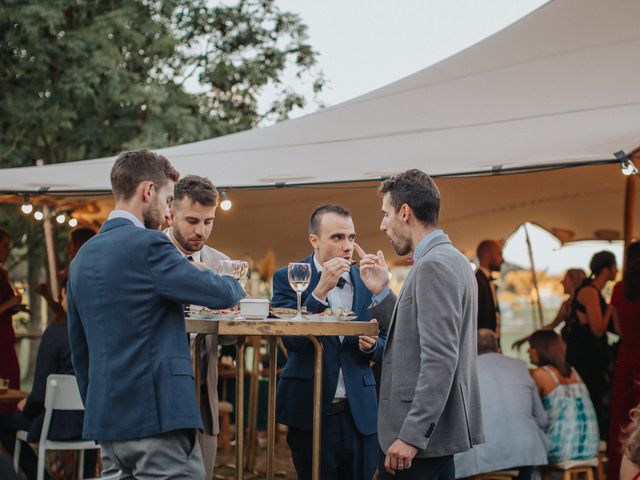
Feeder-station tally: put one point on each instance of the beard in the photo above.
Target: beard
(153, 217)
(182, 241)
(401, 249)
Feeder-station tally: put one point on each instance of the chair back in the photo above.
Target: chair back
(62, 393)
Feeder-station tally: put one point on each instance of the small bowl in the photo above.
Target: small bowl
(254, 308)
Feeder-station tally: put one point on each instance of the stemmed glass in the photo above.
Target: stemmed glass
(237, 269)
(299, 278)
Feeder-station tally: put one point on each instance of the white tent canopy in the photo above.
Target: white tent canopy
(559, 87)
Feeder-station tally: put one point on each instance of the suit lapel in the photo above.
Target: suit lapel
(439, 240)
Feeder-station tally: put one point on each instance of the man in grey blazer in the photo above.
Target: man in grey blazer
(429, 394)
(193, 212)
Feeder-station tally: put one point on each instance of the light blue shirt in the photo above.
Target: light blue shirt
(417, 253)
(126, 214)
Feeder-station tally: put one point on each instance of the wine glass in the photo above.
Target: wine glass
(239, 270)
(299, 278)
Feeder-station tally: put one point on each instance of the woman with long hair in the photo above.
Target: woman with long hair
(573, 429)
(572, 279)
(585, 332)
(626, 389)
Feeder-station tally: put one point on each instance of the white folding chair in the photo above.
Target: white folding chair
(62, 394)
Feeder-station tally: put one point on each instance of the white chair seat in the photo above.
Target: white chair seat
(566, 465)
(71, 445)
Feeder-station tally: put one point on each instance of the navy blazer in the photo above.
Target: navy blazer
(126, 294)
(295, 388)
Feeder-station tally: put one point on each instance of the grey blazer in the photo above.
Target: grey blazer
(429, 393)
(514, 419)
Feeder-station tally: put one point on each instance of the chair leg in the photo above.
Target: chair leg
(16, 455)
(81, 464)
(42, 456)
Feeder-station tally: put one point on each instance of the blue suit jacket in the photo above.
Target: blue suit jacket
(295, 388)
(126, 291)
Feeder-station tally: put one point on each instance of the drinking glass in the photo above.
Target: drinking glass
(239, 270)
(299, 278)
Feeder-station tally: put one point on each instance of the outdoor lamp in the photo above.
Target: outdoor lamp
(626, 165)
(225, 204)
(26, 208)
(73, 222)
(61, 218)
(38, 215)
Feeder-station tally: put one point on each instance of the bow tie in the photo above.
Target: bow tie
(341, 281)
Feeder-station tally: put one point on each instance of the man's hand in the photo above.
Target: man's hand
(399, 456)
(21, 404)
(366, 343)
(373, 270)
(331, 272)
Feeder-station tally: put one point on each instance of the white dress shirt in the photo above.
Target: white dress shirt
(342, 298)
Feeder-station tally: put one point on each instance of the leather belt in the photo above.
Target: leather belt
(339, 405)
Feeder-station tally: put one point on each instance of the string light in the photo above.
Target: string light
(38, 215)
(61, 218)
(225, 204)
(626, 165)
(73, 222)
(26, 208)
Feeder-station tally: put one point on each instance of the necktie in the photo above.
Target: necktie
(341, 281)
(190, 258)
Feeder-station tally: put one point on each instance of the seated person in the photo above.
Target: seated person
(513, 415)
(54, 356)
(573, 429)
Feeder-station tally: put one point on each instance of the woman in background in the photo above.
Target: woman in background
(573, 429)
(626, 389)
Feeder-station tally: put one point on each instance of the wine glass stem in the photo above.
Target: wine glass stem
(299, 294)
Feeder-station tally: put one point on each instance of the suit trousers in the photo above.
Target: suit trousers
(170, 455)
(436, 468)
(345, 453)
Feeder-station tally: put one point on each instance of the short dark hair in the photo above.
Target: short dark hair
(137, 166)
(600, 261)
(319, 211)
(416, 189)
(484, 246)
(198, 189)
(4, 234)
(80, 236)
(487, 341)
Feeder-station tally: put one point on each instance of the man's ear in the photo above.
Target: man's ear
(405, 213)
(172, 217)
(148, 190)
(313, 240)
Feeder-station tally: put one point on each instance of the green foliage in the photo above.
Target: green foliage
(83, 79)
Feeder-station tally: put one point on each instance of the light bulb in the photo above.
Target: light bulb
(73, 222)
(628, 168)
(38, 215)
(61, 218)
(27, 208)
(225, 204)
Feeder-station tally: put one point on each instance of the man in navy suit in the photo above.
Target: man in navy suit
(126, 294)
(349, 404)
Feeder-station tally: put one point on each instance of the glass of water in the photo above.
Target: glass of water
(299, 278)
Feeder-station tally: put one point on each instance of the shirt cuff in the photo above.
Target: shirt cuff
(326, 304)
(381, 296)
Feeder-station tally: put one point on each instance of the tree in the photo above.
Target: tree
(84, 79)
(87, 79)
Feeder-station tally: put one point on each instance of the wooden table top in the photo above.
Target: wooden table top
(13, 396)
(278, 328)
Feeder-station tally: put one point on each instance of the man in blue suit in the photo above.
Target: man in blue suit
(126, 294)
(349, 404)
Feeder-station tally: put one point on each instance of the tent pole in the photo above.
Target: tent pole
(629, 209)
(47, 224)
(534, 277)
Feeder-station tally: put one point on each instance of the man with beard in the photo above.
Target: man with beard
(126, 293)
(193, 212)
(490, 258)
(429, 393)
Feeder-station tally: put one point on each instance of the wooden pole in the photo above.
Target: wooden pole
(47, 224)
(534, 277)
(629, 209)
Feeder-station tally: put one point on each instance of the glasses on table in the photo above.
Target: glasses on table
(299, 278)
(238, 269)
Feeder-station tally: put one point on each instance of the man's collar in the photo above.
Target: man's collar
(422, 245)
(126, 215)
